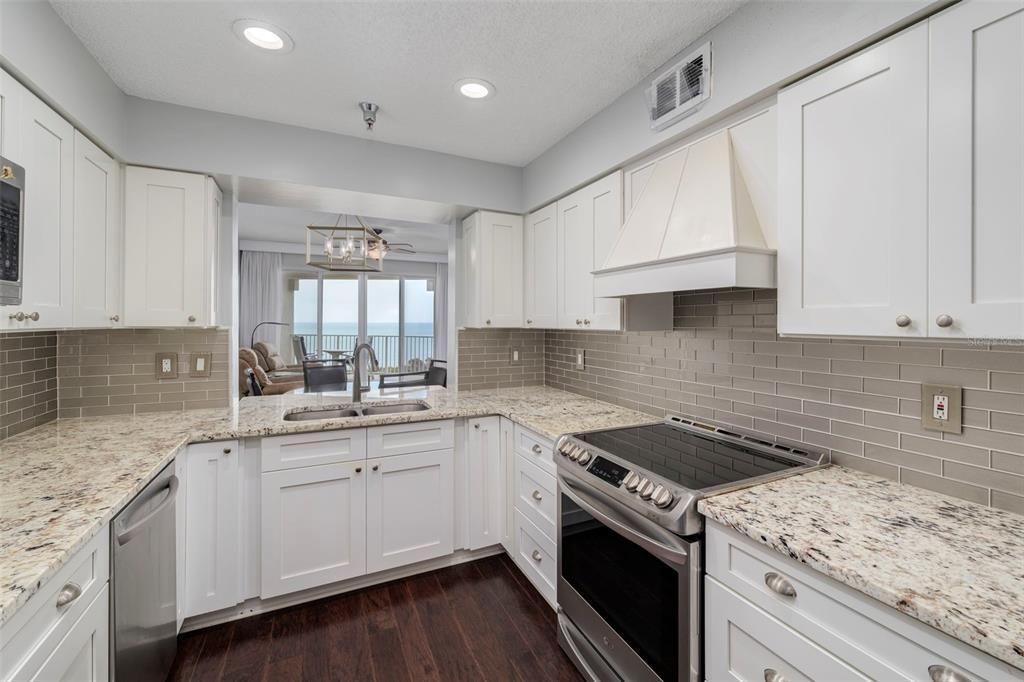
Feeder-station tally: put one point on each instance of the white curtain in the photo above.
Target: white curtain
(441, 312)
(259, 286)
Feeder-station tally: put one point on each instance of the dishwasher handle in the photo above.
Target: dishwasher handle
(131, 531)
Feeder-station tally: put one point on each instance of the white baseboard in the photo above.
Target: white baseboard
(251, 607)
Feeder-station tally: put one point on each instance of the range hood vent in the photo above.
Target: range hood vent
(692, 227)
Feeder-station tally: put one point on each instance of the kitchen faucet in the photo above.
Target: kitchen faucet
(357, 380)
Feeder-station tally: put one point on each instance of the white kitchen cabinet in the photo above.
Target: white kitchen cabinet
(853, 174)
(170, 220)
(492, 270)
(84, 653)
(976, 171)
(97, 237)
(587, 224)
(213, 523)
(313, 526)
(508, 455)
(540, 269)
(488, 481)
(409, 509)
(39, 140)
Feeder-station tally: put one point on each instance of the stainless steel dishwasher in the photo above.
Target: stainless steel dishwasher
(144, 606)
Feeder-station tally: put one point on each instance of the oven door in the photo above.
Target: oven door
(632, 588)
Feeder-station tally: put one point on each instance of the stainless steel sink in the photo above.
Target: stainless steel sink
(356, 411)
(395, 408)
(311, 415)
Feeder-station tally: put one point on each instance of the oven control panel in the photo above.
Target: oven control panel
(618, 476)
(609, 471)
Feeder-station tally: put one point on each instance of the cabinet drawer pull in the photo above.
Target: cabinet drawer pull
(227, 451)
(944, 321)
(579, 322)
(537, 496)
(779, 584)
(537, 449)
(359, 470)
(942, 673)
(376, 467)
(17, 317)
(70, 593)
(773, 676)
(536, 555)
(902, 321)
(115, 318)
(476, 426)
(33, 316)
(191, 318)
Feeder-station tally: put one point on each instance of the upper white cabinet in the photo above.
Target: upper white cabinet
(901, 177)
(171, 224)
(98, 237)
(540, 269)
(853, 194)
(588, 221)
(492, 270)
(976, 171)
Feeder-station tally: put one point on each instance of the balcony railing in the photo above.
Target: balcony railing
(418, 349)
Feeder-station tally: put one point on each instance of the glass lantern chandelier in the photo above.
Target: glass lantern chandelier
(344, 248)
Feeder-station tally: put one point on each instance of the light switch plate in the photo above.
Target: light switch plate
(166, 365)
(938, 400)
(515, 356)
(579, 359)
(199, 364)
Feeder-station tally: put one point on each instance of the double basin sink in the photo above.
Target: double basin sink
(356, 410)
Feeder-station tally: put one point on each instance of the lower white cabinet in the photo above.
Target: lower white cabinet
(410, 509)
(84, 653)
(213, 527)
(488, 479)
(313, 526)
(537, 557)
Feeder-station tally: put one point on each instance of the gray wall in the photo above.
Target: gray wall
(765, 44)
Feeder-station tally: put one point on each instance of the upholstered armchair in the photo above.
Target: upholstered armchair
(273, 363)
(248, 359)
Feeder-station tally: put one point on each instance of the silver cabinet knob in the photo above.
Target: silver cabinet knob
(529, 322)
(537, 496)
(944, 320)
(902, 321)
(579, 322)
(115, 318)
(476, 426)
(191, 318)
(537, 556)
(359, 470)
(537, 449)
(34, 316)
(586, 323)
(777, 583)
(376, 467)
(69, 593)
(773, 676)
(487, 321)
(227, 451)
(17, 317)
(943, 673)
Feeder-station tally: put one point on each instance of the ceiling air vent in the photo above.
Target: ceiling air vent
(681, 89)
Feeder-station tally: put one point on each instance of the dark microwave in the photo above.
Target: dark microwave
(12, 231)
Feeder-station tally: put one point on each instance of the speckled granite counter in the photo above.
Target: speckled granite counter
(955, 565)
(59, 483)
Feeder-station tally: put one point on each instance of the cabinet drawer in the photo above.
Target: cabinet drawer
(402, 439)
(312, 449)
(535, 448)
(536, 556)
(83, 655)
(28, 638)
(535, 495)
(745, 644)
(868, 635)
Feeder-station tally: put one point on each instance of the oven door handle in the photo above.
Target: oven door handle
(622, 525)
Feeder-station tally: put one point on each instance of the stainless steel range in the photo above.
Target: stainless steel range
(630, 540)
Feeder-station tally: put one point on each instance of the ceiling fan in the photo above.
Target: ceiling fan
(389, 246)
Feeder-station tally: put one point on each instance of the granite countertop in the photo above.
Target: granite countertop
(955, 565)
(61, 482)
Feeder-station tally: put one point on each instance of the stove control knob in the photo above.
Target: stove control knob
(631, 481)
(661, 497)
(564, 450)
(575, 452)
(646, 489)
(584, 458)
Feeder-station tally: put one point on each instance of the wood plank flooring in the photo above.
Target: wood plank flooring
(475, 621)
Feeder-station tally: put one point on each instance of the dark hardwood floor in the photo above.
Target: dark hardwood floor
(475, 621)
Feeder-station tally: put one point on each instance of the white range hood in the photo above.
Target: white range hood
(692, 227)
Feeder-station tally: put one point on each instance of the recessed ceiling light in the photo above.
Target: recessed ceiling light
(263, 35)
(474, 88)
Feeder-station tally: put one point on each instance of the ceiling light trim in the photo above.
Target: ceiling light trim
(240, 26)
(475, 88)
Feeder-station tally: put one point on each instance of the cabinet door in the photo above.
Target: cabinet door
(508, 454)
(214, 206)
(588, 222)
(97, 242)
(409, 509)
(314, 527)
(853, 172)
(48, 156)
(12, 94)
(540, 269)
(487, 482)
(501, 270)
(976, 168)
(165, 246)
(213, 527)
(84, 653)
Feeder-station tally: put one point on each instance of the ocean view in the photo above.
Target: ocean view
(372, 328)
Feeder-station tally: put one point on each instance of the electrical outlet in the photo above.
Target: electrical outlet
(515, 356)
(579, 359)
(941, 408)
(166, 365)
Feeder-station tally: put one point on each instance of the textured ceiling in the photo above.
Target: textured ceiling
(554, 63)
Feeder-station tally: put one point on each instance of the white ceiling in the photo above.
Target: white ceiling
(554, 63)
